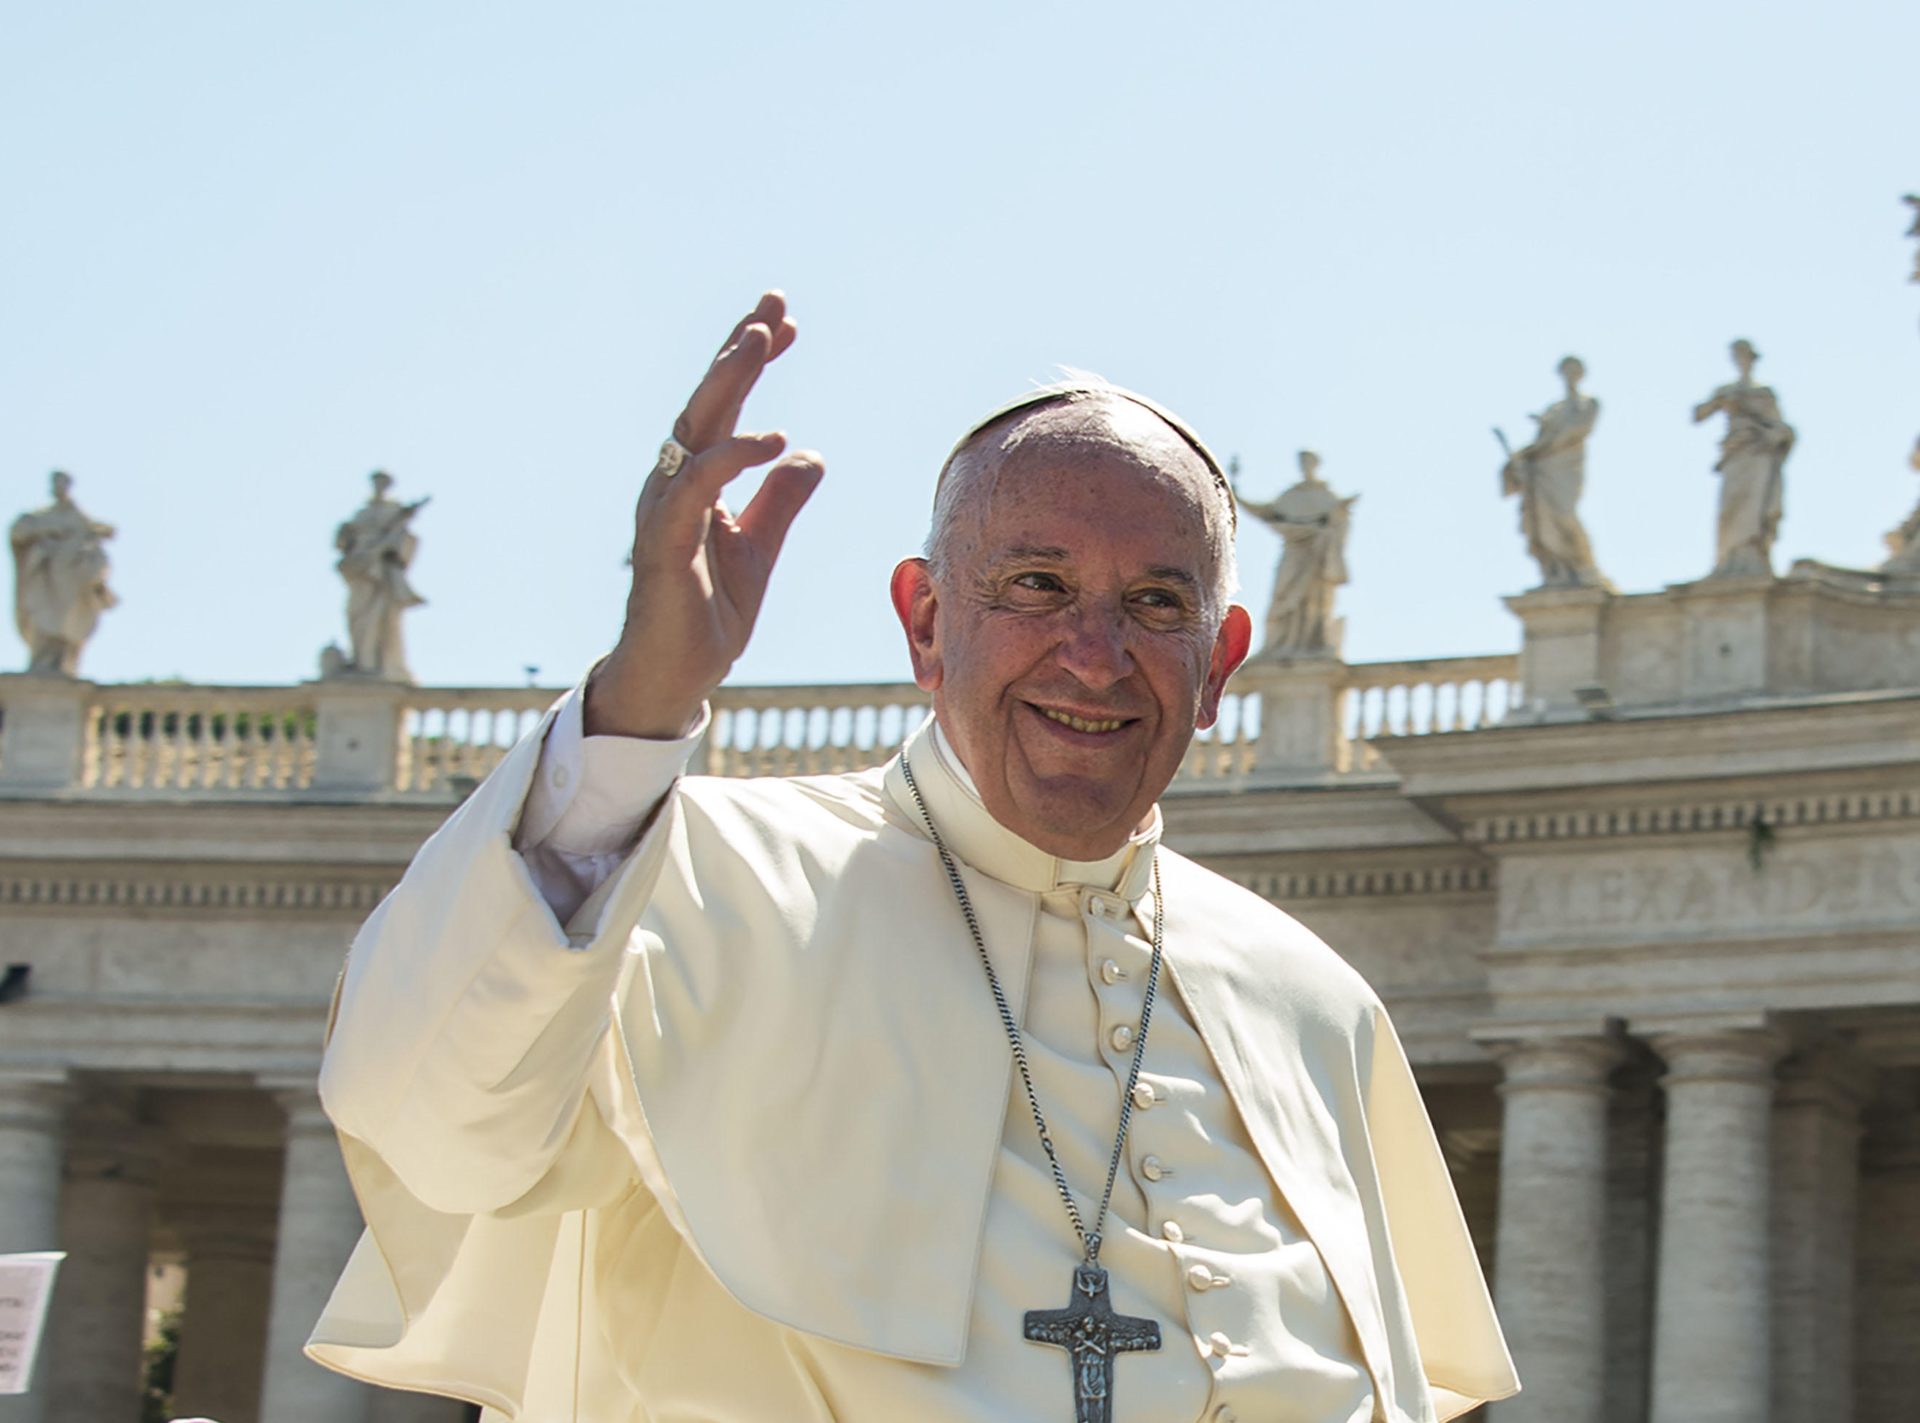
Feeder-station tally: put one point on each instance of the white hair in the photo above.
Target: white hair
(968, 477)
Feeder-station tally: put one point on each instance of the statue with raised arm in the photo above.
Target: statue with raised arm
(1312, 523)
(1548, 473)
(376, 546)
(59, 580)
(1753, 456)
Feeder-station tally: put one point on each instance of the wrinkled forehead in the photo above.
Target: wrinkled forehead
(1090, 417)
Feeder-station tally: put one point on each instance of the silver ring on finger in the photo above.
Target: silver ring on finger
(673, 455)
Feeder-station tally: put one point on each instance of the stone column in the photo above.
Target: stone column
(318, 1225)
(32, 1107)
(1816, 1182)
(1633, 1202)
(1887, 1317)
(1712, 1339)
(223, 1333)
(94, 1356)
(1550, 1278)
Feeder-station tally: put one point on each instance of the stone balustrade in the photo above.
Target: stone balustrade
(182, 738)
(387, 740)
(1425, 696)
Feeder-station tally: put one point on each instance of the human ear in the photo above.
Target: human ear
(1230, 646)
(915, 602)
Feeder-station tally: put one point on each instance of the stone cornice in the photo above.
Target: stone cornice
(1704, 814)
(1339, 815)
(198, 892)
(1292, 885)
(1855, 732)
(132, 832)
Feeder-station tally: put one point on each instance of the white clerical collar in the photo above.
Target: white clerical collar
(976, 837)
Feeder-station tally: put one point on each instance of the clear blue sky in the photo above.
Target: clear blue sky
(254, 251)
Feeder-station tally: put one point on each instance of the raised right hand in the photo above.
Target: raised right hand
(700, 572)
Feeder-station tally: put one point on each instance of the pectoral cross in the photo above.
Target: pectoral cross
(1092, 1334)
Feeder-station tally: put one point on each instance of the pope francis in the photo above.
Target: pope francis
(942, 1092)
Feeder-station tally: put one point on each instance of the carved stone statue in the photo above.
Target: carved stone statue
(1752, 458)
(1903, 544)
(1548, 473)
(1913, 200)
(59, 580)
(376, 546)
(1312, 523)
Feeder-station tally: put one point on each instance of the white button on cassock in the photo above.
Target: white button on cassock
(1224, 1414)
(1122, 1038)
(1153, 1170)
(1143, 1096)
(1199, 1277)
(1222, 1345)
(1172, 1231)
(1111, 972)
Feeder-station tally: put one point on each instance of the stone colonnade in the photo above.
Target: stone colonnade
(1742, 1243)
(78, 1171)
(1769, 1275)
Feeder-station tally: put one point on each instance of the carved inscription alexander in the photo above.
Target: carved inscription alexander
(1843, 883)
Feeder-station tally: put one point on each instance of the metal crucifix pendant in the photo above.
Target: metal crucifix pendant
(1092, 1334)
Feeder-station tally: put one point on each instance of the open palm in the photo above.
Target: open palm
(699, 571)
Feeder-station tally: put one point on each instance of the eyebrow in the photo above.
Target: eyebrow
(1173, 575)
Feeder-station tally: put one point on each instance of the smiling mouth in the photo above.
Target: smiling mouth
(1081, 723)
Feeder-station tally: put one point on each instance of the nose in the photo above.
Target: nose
(1094, 649)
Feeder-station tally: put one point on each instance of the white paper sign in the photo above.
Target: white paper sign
(26, 1287)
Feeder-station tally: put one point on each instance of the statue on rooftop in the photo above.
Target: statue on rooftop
(1753, 456)
(1903, 543)
(59, 580)
(1548, 473)
(376, 546)
(1312, 523)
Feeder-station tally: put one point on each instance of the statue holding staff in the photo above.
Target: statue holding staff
(59, 580)
(376, 546)
(1912, 200)
(1752, 458)
(1548, 473)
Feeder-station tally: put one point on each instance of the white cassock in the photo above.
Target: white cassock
(742, 1141)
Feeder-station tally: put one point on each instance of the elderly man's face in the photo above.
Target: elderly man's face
(1073, 644)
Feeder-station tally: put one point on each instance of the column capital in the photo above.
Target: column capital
(1736, 1048)
(299, 1098)
(1564, 1057)
(34, 1098)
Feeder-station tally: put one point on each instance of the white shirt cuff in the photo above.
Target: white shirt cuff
(592, 795)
